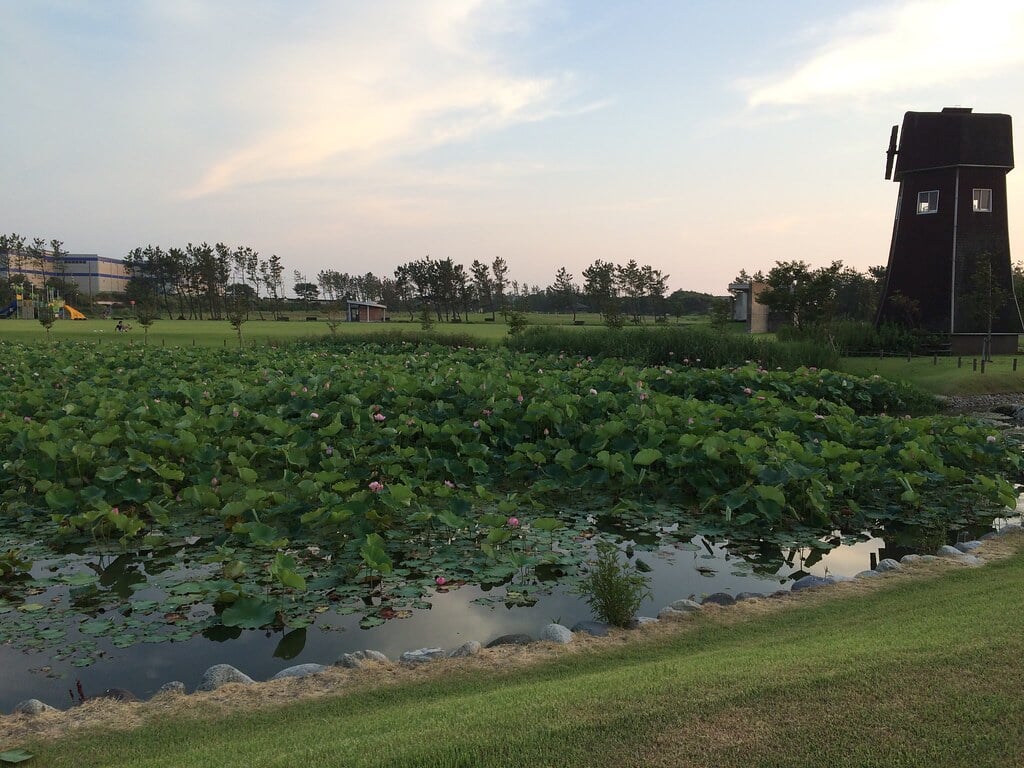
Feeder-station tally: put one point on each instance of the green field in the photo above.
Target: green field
(220, 332)
(943, 376)
(914, 672)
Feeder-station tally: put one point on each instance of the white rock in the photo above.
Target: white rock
(422, 655)
(887, 565)
(469, 648)
(556, 633)
(300, 670)
(222, 674)
(32, 707)
(685, 606)
(358, 659)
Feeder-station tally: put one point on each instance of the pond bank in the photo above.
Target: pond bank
(237, 699)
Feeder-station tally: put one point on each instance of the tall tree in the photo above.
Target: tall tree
(565, 289)
(600, 287)
(272, 274)
(483, 284)
(985, 299)
(803, 295)
(500, 271)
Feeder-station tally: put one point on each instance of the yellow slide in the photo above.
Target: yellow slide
(73, 313)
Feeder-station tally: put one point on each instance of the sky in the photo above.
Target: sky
(701, 138)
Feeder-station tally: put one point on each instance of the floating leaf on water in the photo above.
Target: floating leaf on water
(79, 579)
(96, 627)
(249, 613)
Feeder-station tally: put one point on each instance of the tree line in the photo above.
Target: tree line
(199, 281)
(21, 257)
(208, 281)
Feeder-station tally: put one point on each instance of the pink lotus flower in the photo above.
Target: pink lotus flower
(379, 417)
(28, 419)
(214, 482)
(440, 581)
(376, 487)
(234, 414)
(990, 439)
(519, 399)
(449, 483)
(476, 425)
(593, 391)
(314, 415)
(513, 522)
(748, 391)
(329, 451)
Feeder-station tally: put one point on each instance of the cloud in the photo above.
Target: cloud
(913, 46)
(344, 91)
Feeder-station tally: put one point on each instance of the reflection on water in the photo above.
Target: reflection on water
(687, 568)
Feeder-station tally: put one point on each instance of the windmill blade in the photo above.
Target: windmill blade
(890, 153)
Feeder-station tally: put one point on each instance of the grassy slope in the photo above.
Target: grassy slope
(917, 672)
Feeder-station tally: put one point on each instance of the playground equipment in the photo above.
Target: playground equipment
(27, 309)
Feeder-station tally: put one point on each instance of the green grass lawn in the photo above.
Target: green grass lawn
(942, 376)
(916, 672)
(220, 332)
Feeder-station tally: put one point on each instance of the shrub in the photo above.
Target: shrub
(659, 346)
(613, 591)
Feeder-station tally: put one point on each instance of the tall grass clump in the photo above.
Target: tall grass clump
(856, 336)
(613, 591)
(702, 347)
(396, 337)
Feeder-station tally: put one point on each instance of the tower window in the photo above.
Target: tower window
(928, 202)
(982, 200)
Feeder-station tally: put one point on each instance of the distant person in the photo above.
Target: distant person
(120, 326)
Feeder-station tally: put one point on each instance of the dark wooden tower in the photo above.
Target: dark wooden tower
(949, 263)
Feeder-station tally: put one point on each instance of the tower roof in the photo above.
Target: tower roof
(954, 136)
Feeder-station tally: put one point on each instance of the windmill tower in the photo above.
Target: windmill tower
(949, 263)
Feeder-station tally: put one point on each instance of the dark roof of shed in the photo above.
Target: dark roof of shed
(955, 136)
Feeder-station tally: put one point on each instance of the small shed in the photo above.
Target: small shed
(747, 308)
(366, 312)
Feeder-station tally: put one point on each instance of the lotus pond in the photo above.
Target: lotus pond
(155, 497)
